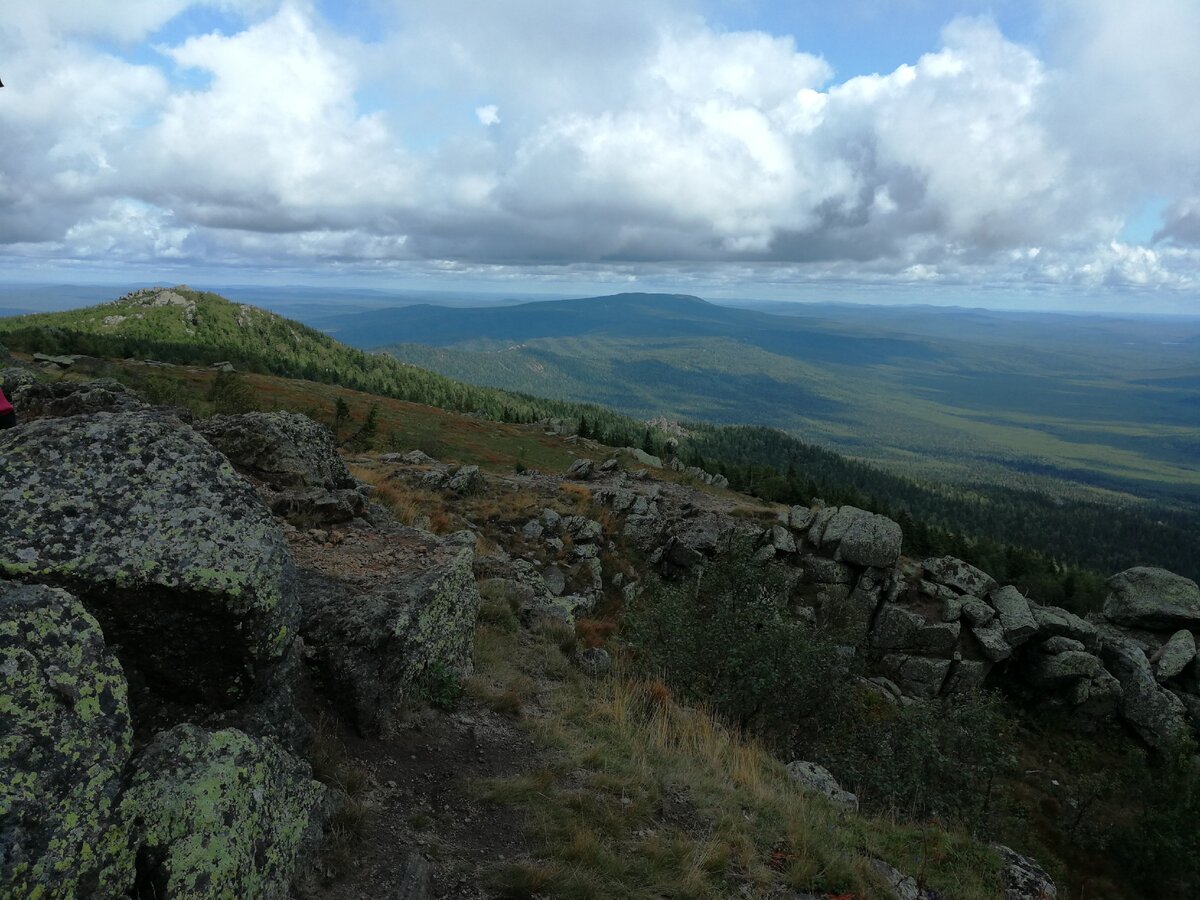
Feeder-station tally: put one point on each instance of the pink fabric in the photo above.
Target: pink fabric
(5, 406)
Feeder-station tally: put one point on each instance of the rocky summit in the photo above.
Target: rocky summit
(188, 603)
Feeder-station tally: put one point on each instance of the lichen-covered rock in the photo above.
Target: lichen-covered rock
(963, 577)
(798, 517)
(820, 570)
(781, 539)
(220, 814)
(1060, 644)
(1155, 714)
(1145, 597)
(1023, 878)
(966, 675)
(820, 780)
(918, 676)
(1173, 657)
(1016, 618)
(281, 449)
(56, 399)
(863, 538)
(317, 506)
(991, 642)
(937, 638)
(160, 539)
(895, 628)
(899, 885)
(976, 612)
(644, 458)
(1067, 666)
(386, 611)
(1053, 620)
(65, 737)
(16, 377)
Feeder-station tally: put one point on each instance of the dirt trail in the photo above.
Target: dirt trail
(420, 801)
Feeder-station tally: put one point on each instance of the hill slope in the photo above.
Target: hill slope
(199, 328)
(941, 393)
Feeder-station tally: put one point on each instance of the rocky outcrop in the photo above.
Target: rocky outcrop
(1145, 597)
(160, 539)
(220, 814)
(384, 612)
(65, 736)
(57, 399)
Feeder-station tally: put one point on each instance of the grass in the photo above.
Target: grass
(351, 816)
(640, 797)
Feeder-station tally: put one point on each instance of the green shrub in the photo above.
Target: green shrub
(1158, 849)
(728, 639)
(230, 394)
(441, 687)
(945, 759)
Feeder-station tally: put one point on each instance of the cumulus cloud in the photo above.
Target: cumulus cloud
(635, 134)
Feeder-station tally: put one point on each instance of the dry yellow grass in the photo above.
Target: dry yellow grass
(645, 798)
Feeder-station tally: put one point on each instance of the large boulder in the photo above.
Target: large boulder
(56, 399)
(863, 538)
(386, 612)
(160, 539)
(65, 737)
(1145, 597)
(220, 814)
(281, 449)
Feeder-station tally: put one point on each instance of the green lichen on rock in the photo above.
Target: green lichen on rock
(285, 450)
(158, 536)
(220, 814)
(65, 737)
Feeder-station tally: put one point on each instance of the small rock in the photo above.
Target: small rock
(593, 661)
(820, 780)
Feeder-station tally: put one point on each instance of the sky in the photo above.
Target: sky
(1036, 153)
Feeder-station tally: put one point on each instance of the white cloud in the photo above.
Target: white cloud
(634, 133)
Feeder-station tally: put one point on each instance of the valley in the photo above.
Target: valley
(1053, 401)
